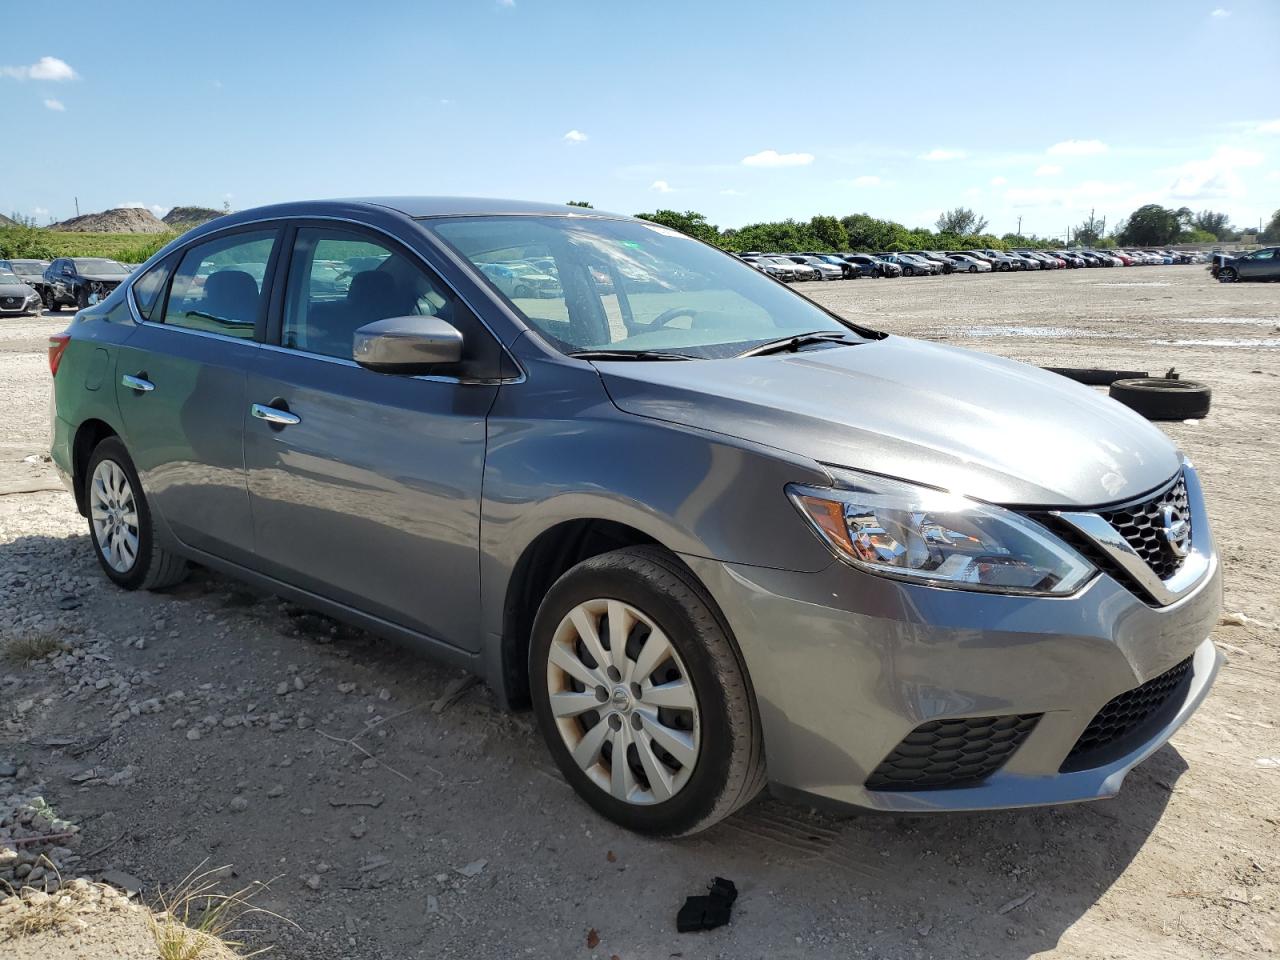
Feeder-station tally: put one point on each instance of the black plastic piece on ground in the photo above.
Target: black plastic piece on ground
(709, 912)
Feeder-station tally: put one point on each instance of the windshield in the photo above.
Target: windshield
(28, 267)
(623, 285)
(8, 278)
(97, 265)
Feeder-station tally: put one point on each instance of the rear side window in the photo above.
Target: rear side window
(218, 286)
(148, 287)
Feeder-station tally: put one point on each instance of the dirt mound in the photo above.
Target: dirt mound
(185, 218)
(6, 222)
(120, 220)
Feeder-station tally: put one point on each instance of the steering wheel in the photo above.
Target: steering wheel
(666, 316)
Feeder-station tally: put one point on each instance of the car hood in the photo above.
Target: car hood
(990, 428)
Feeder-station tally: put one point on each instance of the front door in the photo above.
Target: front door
(180, 382)
(365, 486)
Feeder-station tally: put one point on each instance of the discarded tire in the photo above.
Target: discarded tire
(1095, 376)
(1160, 399)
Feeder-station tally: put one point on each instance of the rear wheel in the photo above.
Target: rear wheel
(641, 695)
(120, 523)
(973, 269)
(1228, 275)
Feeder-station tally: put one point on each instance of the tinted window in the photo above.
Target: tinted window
(148, 287)
(218, 285)
(339, 281)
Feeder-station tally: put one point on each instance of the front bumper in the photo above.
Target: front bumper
(845, 665)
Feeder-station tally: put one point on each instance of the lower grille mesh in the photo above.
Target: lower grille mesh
(952, 753)
(1124, 714)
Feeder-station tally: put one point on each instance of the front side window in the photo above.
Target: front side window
(339, 281)
(620, 285)
(218, 286)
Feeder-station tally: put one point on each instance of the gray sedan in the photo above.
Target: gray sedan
(715, 535)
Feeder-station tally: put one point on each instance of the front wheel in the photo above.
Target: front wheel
(642, 696)
(120, 523)
(51, 304)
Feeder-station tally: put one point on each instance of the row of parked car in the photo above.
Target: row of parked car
(925, 263)
(29, 286)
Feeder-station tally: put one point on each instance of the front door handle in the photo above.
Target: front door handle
(274, 415)
(141, 384)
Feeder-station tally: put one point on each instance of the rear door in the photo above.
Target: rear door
(365, 486)
(1258, 265)
(181, 385)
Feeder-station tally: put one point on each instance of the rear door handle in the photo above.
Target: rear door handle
(141, 384)
(274, 415)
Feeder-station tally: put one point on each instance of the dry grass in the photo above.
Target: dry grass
(24, 648)
(194, 921)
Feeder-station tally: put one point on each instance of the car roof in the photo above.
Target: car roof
(473, 206)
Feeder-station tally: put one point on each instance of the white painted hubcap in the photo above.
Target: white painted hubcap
(114, 516)
(623, 701)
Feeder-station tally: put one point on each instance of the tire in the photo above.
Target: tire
(82, 298)
(1228, 275)
(152, 567)
(1159, 399)
(50, 304)
(521, 292)
(723, 727)
(973, 269)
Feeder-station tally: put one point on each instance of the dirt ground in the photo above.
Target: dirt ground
(215, 727)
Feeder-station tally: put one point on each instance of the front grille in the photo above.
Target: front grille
(952, 753)
(1142, 525)
(1125, 714)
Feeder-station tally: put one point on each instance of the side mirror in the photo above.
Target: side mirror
(406, 345)
(68, 272)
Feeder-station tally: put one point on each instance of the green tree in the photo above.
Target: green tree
(578, 203)
(1218, 224)
(1091, 231)
(961, 221)
(1152, 226)
(690, 222)
(828, 234)
(1272, 232)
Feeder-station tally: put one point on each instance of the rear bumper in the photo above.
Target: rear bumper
(845, 665)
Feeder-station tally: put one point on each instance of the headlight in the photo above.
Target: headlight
(899, 530)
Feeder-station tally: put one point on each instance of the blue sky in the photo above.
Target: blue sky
(742, 110)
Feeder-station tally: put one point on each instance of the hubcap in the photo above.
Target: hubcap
(623, 702)
(114, 516)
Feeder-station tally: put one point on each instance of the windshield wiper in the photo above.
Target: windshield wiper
(796, 341)
(627, 355)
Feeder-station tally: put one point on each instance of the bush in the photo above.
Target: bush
(30, 243)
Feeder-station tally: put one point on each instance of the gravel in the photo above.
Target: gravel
(405, 816)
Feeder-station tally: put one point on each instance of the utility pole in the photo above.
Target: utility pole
(77, 199)
(1019, 226)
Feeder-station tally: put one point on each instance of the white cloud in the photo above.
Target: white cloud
(1271, 126)
(155, 208)
(866, 181)
(1216, 177)
(39, 212)
(772, 158)
(46, 68)
(1220, 13)
(998, 181)
(1273, 175)
(1048, 170)
(1077, 148)
(937, 153)
(507, 3)
(730, 192)
(661, 186)
(57, 105)
(575, 136)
